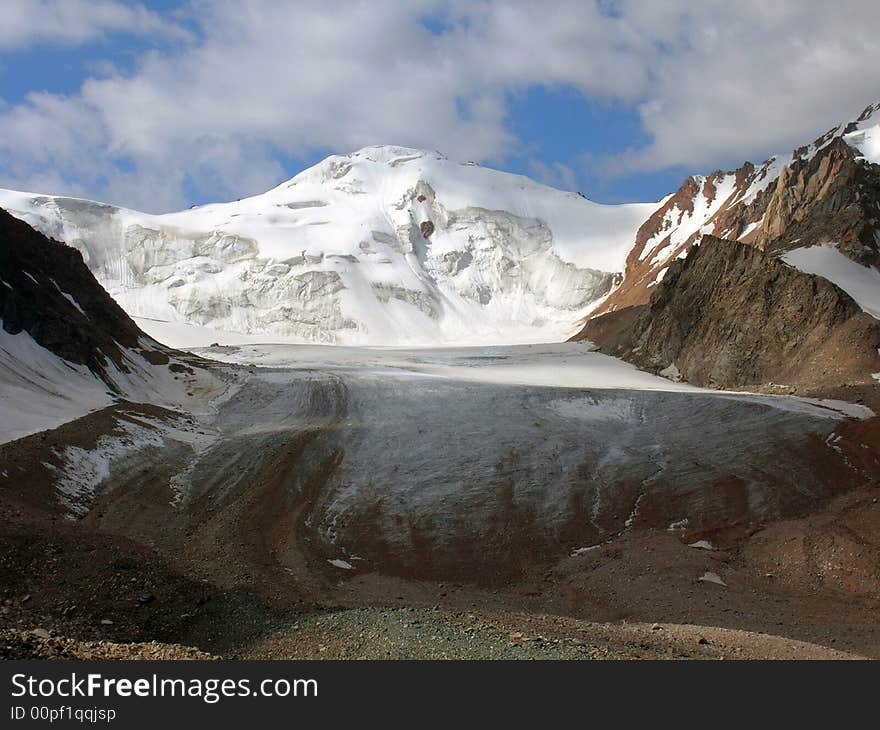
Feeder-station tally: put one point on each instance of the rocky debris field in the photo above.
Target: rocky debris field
(409, 633)
(38, 644)
(803, 588)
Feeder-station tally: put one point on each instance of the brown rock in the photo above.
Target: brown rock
(730, 316)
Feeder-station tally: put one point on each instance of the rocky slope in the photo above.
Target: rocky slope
(66, 347)
(732, 316)
(828, 191)
(48, 292)
(385, 246)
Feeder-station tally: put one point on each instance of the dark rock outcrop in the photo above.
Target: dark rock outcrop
(47, 291)
(731, 316)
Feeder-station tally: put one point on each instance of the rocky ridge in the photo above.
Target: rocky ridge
(47, 291)
(828, 191)
(729, 315)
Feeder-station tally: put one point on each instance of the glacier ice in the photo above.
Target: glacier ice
(386, 246)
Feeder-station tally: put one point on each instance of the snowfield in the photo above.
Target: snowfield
(386, 246)
(39, 390)
(862, 283)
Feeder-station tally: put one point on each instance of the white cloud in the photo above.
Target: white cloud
(714, 82)
(71, 22)
(749, 78)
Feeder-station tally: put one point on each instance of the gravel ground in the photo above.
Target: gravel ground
(38, 644)
(376, 633)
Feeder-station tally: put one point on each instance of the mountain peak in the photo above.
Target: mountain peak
(388, 245)
(393, 154)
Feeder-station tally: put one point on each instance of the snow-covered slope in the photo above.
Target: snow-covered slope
(864, 135)
(386, 246)
(40, 390)
(862, 283)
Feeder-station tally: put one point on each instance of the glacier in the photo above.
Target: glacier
(387, 246)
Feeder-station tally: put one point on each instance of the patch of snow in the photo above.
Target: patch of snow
(82, 471)
(702, 545)
(749, 228)
(679, 225)
(769, 172)
(659, 277)
(865, 139)
(862, 283)
(634, 512)
(73, 301)
(672, 372)
(710, 577)
(584, 550)
(813, 149)
(70, 299)
(342, 564)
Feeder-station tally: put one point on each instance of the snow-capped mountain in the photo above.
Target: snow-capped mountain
(827, 192)
(396, 246)
(385, 246)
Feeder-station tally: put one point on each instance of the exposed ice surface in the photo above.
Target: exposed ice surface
(560, 365)
(386, 246)
(435, 444)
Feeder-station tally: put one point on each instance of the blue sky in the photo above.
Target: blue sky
(562, 126)
(160, 105)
